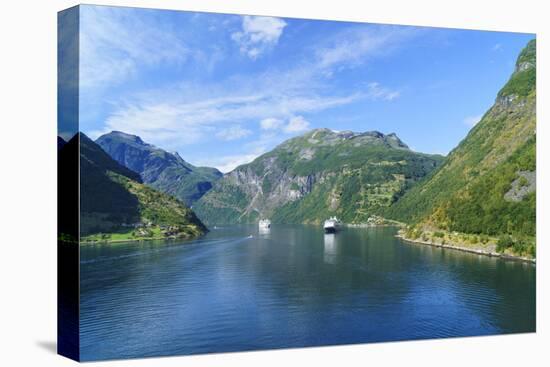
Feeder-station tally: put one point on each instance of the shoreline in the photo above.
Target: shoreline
(89, 242)
(470, 250)
(368, 225)
(385, 223)
(476, 251)
(92, 242)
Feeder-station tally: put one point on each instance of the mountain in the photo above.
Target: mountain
(316, 175)
(115, 204)
(67, 190)
(162, 170)
(487, 183)
(60, 143)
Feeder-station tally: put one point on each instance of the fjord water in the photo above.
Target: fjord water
(237, 289)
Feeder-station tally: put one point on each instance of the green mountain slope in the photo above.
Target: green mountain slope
(116, 205)
(167, 172)
(321, 173)
(487, 183)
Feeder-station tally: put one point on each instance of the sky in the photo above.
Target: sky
(223, 89)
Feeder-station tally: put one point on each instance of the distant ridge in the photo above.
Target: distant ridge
(165, 171)
(319, 174)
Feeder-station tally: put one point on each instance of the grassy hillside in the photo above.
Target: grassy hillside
(164, 171)
(487, 183)
(316, 175)
(115, 205)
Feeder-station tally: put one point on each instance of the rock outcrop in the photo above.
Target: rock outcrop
(318, 174)
(166, 172)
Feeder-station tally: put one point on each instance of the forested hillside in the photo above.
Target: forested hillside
(322, 173)
(164, 171)
(115, 205)
(487, 183)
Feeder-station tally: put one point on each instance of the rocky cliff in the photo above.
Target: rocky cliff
(165, 171)
(321, 173)
(487, 183)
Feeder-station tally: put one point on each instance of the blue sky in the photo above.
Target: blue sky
(223, 89)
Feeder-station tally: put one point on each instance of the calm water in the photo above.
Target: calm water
(291, 287)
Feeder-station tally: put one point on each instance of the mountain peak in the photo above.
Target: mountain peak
(93, 154)
(528, 57)
(392, 137)
(329, 136)
(165, 171)
(522, 83)
(123, 136)
(470, 193)
(345, 133)
(320, 173)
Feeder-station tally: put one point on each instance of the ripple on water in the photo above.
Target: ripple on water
(291, 287)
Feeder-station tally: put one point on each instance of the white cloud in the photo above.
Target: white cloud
(173, 118)
(472, 120)
(169, 122)
(271, 123)
(497, 47)
(258, 34)
(228, 163)
(114, 44)
(376, 91)
(251, 150)
(296, 124)
(356, 45)
(187, 113)
(233, 133)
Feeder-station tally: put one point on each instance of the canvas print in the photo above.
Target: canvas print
(238, 182)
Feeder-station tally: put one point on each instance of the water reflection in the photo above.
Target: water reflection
(331, 248)
(264, 232)
(240, 289)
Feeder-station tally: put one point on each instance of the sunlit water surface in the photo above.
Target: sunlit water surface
(237, 289)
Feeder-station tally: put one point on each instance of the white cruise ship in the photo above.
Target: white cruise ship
(264, 224)
(332, 225)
